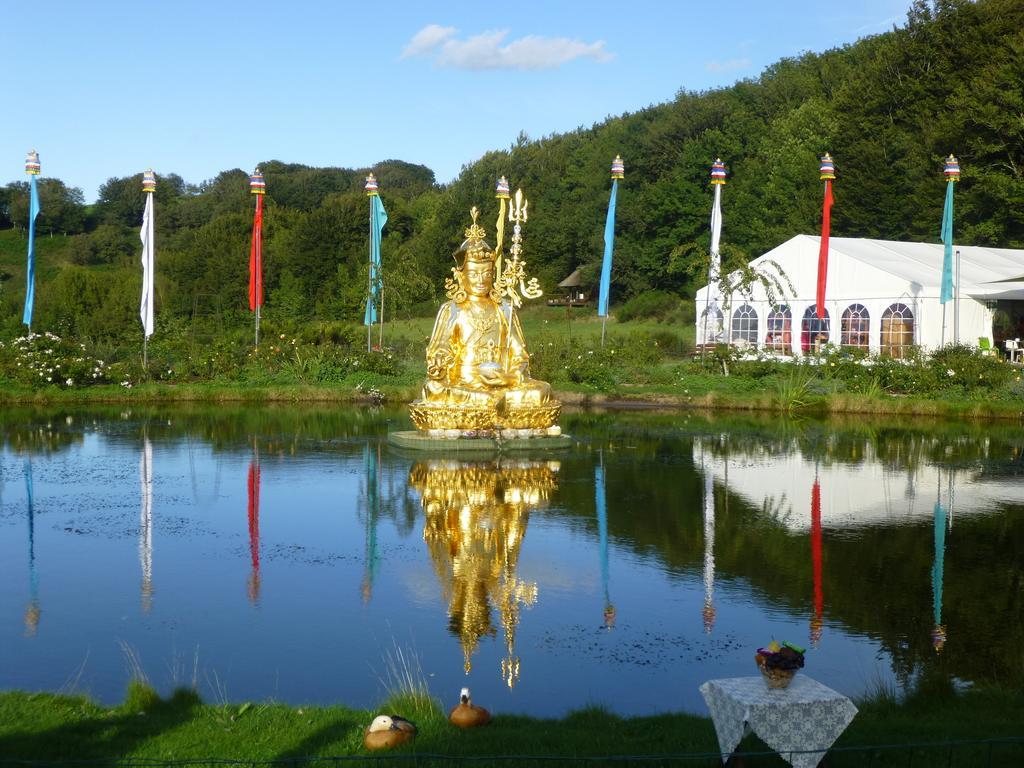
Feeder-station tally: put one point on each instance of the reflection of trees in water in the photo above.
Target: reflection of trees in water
(475, 518)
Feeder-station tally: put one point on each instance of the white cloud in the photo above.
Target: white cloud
(485, 50)
(427, 39)
(730, 65)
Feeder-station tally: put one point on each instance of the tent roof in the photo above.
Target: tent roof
(984, 272)
(573, 280)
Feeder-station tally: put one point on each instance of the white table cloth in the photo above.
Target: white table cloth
(799, 722)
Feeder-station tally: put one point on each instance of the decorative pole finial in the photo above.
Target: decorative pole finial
(257, 185)
(952, 169)
(32, 163)
(828, 168)
(501, 190)
(149, 181)
(618, 168)
(371, 185)
(718, 172)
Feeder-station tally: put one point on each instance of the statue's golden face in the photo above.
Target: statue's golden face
(480, 277)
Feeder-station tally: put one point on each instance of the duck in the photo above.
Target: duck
(467, 714)
(387, 731)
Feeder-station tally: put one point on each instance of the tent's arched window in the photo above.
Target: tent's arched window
(712, 325)
(855, 327)
(897, 331)
(779, 336)
(744, 325)
(814, 331)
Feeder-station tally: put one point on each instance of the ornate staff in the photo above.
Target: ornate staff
(258, 187)
(502, 195)
(148, 245)
(32, 168)
(514, 274)
(718, 174)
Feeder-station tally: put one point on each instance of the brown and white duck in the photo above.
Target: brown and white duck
(388, 731)
(467, 714)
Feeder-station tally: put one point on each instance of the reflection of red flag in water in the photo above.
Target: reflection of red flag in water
(819, 601)
(256, 258)
(254, 528)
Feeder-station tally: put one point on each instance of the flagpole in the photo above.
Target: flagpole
(258, 187)
(951, 171)
(33, 169)
(718, 174)
(828, 173)
(375, 287)
(147, 237)
(618, 172)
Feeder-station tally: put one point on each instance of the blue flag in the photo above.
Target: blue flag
(378, 218)
(609, 246)
(30, 290)
(946, 293)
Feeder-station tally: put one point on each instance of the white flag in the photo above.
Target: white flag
(146, 235)
(146, 520)
(715, 268)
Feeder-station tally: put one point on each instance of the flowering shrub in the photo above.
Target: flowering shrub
(45, 359)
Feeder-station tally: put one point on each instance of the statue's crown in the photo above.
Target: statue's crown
(474, 246)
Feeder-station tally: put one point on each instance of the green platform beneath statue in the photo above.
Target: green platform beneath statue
(418, 441)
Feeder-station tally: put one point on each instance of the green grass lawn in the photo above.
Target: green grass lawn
(46, 727)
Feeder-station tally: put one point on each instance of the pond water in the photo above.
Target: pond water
(291, 554)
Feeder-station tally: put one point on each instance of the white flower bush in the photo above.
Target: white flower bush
(45, 358)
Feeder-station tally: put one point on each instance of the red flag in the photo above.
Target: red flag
(256, 258)
(826, 218)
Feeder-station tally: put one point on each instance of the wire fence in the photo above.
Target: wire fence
(980, 753)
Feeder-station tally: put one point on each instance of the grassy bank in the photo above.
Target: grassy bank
(641, 362)
(47, 727)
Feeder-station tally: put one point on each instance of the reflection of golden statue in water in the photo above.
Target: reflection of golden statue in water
(476, 516)
(478, 367)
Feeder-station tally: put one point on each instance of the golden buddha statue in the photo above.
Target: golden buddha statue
(478, 367)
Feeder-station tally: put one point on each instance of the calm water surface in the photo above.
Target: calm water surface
(288, 553)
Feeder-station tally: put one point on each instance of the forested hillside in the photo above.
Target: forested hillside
(889, 108)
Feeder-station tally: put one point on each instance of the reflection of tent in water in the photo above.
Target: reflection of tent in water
(253, 488)
(33, 611)
(866, 492)
(475, 520)
(146, 523)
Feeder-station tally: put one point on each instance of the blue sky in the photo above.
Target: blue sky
(110, 88)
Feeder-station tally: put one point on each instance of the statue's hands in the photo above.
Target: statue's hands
(494, 376)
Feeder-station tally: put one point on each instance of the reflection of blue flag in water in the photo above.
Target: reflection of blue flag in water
(372, 509)
(946, 294)
(609, 246)
(940, 556)
(602, 532)
(30, 289)
(378, 218)
(32, 612)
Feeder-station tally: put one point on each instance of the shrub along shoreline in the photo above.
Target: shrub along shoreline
(642, 363)
(53, 727)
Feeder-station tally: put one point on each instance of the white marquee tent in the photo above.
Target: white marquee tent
(881, 295)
